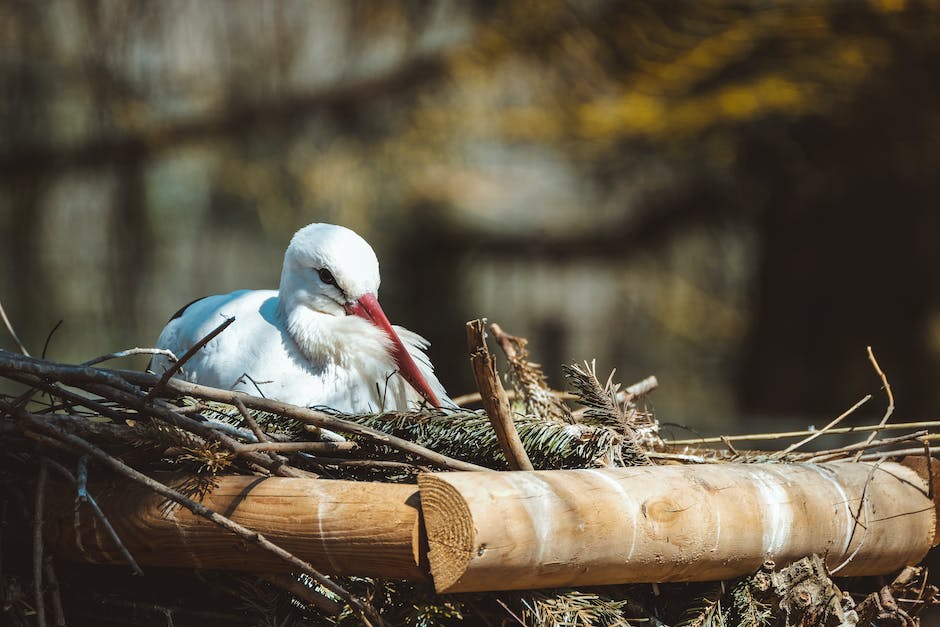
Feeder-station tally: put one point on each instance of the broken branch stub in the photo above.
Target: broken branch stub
(494, 398)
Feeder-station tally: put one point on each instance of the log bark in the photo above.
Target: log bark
(518, 530)
(342, 527)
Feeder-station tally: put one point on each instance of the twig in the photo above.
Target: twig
(75, 400)
(130, 352)
(639, 388)
(251, 422)
(494, 398)
(125, 381)
(863, 506)
(45, 345)
(695, 459)
(505, 341)
(309, 416)
(175, 367)
(904, 452)
(364, 463)
(861, 446)
(930, 475)
(299, 447)
(310, 596)
(53, 588)
(259, 434)
(730, 446)
(200, 510)
(887, 387)
(88, 498)
(37, 543)
(164, 411)
(9, 326)
(511, 613)
(645, 386)
(783, 435)
(822, 431)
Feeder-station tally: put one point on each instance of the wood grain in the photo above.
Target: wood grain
(342, 527)
(517, 530)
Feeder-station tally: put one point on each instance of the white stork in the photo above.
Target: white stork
(320, 340)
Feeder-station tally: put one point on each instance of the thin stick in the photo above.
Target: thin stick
(259, 434)
(54, 588)
(863, 506)
(37, 543)
(887, 387)
(309, 416)
(130, 352)
(505, 341)
(164, 411)
(831, 424)
(365, 463)
(126, 381)
(730, 446)
(200, 510)
(9, 326)
(251, 422)
(45, 345)
(930, 474)
(861, 446)
(52, 389)
(96, 509)
(289, 583)
(299, 447)
(695, 459)
(645, 386)
(495, 401)
(782, 435)
(639, 388)
(904, 452)
(175, 367)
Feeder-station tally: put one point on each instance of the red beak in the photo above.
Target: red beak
(368, 307)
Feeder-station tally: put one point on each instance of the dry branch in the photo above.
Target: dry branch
(122, 386)
(494, 398)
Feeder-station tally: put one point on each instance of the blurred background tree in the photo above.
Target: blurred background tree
(735, 196)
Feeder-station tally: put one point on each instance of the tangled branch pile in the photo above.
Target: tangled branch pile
(69, 422)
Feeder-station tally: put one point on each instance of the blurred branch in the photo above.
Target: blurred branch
(659, 222)
(145, 142)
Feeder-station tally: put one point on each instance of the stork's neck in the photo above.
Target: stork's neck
(346, 341)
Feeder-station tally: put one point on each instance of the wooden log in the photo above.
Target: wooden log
(518, 530)
(341, 527)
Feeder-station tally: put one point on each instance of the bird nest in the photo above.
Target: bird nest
(69, 422)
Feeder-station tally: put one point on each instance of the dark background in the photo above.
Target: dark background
(738, 198)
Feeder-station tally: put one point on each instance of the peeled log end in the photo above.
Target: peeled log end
(451, 535)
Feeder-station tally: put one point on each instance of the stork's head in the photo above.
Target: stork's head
(331, 270)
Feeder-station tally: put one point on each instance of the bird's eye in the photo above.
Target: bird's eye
(326, 276)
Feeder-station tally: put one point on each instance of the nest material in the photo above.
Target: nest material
(141, 421)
